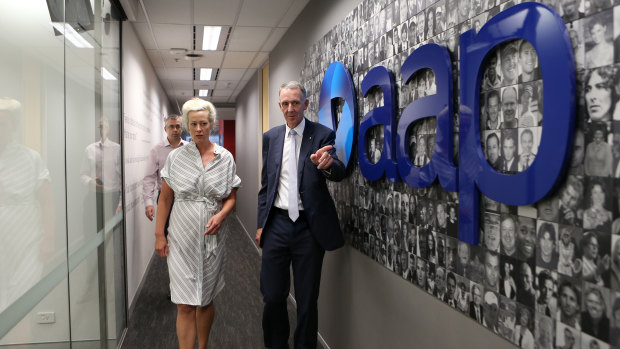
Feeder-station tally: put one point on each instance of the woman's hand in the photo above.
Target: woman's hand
(161, 246)
(214, 224)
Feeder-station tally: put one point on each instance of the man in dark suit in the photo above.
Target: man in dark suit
(297, 218)
(509, 160)
(475, 306)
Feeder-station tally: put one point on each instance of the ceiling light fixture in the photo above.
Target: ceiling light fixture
(70, 34)
(203, 93)
(106, 75)
(210, 38)
(205, 73)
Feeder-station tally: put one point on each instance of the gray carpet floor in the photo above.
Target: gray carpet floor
(238, 308)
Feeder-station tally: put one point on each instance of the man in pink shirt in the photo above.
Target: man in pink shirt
(157, 160)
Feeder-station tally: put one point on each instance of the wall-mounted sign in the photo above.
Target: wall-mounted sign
(539, 25)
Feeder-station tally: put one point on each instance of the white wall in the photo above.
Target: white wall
(247, 136)
(362, 304)
(144, 105)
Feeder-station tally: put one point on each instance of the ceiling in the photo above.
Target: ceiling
(256, 26)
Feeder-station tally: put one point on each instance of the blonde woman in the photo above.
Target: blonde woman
(201, 177)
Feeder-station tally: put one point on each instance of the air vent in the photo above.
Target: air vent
(193, 56)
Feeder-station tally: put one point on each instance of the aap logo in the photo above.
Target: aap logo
(534, 22)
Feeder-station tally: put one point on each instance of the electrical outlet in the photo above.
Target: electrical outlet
(47, 317)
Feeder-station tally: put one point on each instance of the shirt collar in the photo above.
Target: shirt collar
(299, 129)
(217, 149)
(167, 142)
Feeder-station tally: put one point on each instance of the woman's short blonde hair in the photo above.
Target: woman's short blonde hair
(197, 104)
(10, 106)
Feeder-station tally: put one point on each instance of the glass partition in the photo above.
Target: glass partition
(62, 273)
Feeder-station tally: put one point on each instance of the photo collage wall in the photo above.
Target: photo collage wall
(543, 276)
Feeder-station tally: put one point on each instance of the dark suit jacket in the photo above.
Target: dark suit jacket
(317, 202)
(472, 312)
(501, 164)
(601, 331)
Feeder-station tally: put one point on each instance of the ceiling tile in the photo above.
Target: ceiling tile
(274, 38)
(259, 60)
(264, 13)
(293, 12)
(226, 84)
(209, 85)
(175, 74)
(210, 59)
(222, 92)
(182, 85)
(215, 12)
(231, 74)
(187, 94)
(220, 99)
(155, 57)
(144, 34)
(172, 35)
(248, 38)
(238, 59)
(161, 58)
(166, 11)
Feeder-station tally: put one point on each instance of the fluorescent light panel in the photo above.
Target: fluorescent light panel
(210, 38)
(106, 75)
(205, 73)
(70, 34)
(203, 93)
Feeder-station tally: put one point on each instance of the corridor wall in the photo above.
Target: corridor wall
(248, 154)
(145, 104)
(363, 304)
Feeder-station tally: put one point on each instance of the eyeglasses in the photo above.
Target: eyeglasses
(178, 127)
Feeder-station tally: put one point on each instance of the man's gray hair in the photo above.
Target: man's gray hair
(293, 85)
(171, 117)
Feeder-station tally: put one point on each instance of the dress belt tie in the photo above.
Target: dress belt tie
(210, 241)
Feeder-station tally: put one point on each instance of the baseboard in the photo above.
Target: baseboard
(247, 233)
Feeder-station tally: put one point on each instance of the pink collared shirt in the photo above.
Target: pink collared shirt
(152, 175)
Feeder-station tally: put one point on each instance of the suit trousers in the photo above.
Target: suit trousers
(284, 243)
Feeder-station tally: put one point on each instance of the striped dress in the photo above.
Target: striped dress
(195, 260)
(22, 172)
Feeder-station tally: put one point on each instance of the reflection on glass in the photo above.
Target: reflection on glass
(26, 210)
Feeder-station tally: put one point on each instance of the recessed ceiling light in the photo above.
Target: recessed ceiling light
(205, 73)
(203, 93)
(210, 38)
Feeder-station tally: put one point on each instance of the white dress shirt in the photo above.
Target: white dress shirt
(102, 160)
(281, 200)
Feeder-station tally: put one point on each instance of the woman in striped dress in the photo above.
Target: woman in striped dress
(201, 177)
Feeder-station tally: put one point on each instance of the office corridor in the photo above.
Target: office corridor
(238, 308)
